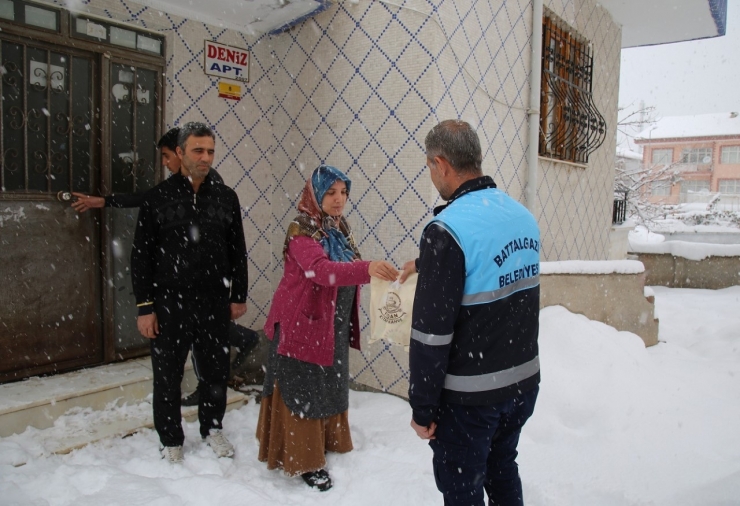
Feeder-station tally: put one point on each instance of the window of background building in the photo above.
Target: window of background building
(660, 188)
(696, 155)
(571, 128)
(731, 154)
(694, 186)
(729, 186)
(662, 156)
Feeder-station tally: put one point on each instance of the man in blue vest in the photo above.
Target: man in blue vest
(473, 358)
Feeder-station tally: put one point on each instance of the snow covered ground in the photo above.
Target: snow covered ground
(615, 424)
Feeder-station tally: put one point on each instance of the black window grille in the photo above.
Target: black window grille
(620, 207)
(571, 127)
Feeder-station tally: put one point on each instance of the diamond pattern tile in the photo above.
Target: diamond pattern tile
(358, 86)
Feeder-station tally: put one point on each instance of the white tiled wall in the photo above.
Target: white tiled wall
(358, 87)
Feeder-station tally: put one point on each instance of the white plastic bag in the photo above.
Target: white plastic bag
(391, 305)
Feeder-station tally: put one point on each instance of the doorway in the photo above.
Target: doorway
(76, 115)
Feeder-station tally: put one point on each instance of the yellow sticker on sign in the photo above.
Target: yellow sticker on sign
(230, 90)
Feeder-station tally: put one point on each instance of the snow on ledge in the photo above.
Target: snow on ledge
(689, 250)
(592, 267)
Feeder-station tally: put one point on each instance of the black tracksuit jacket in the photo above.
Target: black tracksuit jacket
(186, 241)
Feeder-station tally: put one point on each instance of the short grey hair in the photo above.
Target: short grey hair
(457, 142)
(194, 128)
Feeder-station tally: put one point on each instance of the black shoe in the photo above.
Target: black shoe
(191, 400)
(318, 479)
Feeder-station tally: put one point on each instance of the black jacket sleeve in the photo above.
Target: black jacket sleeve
(124, 200)
(237, 255)
(439, 291)
(142, 259)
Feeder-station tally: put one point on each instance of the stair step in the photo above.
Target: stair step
(38, 402)
(118, 420)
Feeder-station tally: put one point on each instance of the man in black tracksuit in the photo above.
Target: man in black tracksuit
(473, 357)
(189, 273)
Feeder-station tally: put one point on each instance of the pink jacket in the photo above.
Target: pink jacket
(305, 299)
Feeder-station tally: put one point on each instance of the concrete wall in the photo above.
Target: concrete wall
(575, 202)
(619, 240)
(617, 300)
(711, 273)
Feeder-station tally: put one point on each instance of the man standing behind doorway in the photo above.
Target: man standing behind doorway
(473, 360)
(189, 271)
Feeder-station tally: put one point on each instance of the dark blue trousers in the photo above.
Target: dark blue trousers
(475, 449)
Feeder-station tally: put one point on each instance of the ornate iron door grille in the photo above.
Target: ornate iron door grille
(571, 128)
(46, 129)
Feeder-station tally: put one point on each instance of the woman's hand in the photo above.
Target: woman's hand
(383, 270)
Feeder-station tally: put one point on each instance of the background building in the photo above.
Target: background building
(690, 155)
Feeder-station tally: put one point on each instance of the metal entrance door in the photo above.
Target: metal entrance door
(133, 92)
(50, 299)
(71, 120)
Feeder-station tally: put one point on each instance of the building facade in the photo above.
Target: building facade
(357, 84)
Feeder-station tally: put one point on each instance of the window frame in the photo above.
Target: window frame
(662, 151)
(660, 184)
(19, 17)
(725, 182)
(735, 154)
(705, 183)
(571, 127)
(690, 156)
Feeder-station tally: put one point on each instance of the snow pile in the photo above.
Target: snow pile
(592, 267)
(615, 424)
(643, 241)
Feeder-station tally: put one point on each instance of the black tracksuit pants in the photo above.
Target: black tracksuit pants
(190, 319)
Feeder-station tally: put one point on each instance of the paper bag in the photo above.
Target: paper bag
(391, 304)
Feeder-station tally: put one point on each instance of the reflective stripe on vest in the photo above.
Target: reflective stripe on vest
(483, 297)
(494, 380)
(431, 339)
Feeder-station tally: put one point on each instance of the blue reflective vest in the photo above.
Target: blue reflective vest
(501, 247)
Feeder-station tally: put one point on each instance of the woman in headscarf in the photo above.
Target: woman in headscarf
(313, 321)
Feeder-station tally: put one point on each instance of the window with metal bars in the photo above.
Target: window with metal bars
(571, 127)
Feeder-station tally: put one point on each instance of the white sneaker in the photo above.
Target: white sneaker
(173, 454)
(218, 442)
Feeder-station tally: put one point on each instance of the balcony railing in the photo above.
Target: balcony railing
(692, 167)
(619, 213)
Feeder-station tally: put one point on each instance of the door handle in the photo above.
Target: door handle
(63, 196)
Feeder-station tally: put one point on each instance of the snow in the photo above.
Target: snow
(700, 125)
(592, 267)
(628, 153)
(643, 241)
(615, 424)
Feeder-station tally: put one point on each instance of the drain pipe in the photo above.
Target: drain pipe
(534, 107)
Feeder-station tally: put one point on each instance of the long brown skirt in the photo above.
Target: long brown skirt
(296, 444)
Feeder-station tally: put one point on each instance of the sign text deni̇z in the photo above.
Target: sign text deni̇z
(226, 61)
